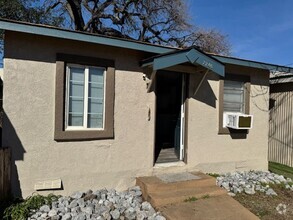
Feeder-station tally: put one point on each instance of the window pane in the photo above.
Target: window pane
(96, 75)
(96, 98)
(233, 107)
(95, 106)
(76, 97)
(75, 119)
(76, 105)
(95, 121)
(76, 89)
(96, 90)
(233, 84)
(77, 74)
(233, 96)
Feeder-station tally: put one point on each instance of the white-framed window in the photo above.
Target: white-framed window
(234, 96)
(85, 97)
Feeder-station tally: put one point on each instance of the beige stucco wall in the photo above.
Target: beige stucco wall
(211, 152)
(29, 93)
(29, 122)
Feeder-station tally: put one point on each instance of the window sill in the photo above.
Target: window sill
(83, 135)
(84, 129)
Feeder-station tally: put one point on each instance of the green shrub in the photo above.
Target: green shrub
(21, 210)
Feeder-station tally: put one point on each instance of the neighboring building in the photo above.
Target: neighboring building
(281, 118)
(97, 111)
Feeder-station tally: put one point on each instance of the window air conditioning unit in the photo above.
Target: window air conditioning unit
(237, 120)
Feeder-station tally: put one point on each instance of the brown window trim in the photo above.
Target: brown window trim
(60, 133)
(234, 77)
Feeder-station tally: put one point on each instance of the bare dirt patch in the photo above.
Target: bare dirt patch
(265, 206)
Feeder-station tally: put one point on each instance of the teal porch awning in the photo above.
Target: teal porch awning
(189, 55)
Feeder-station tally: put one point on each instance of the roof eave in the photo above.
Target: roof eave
(253, 64)
(81, 36)
(44, 30)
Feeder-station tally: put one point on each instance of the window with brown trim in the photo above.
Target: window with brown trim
(84, 99)
(234, 97)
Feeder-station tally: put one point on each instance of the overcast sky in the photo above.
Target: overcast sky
(260, 30)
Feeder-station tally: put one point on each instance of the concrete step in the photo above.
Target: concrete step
(153, 184)
(162, 198)
(184, 197)
(214, 208)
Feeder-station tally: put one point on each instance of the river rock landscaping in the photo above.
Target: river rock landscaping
(100, 205)
(252, 181)
(267, 195)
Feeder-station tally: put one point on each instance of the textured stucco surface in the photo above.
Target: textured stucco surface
(29, 122)
(211, 152)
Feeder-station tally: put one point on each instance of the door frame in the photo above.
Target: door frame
(182, 118)
(184, 122)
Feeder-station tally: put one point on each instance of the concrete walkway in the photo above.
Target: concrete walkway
(191, 196)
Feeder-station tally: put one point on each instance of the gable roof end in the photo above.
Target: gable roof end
(190, 55)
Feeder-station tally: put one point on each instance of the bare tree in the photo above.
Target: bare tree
(211, 40)
(164, 22)
(26, 10)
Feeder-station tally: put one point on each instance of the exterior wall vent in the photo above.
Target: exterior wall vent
(48, 184)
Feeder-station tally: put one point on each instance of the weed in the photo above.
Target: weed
(21, 210)
(191, 199)
(214, 175)
(262, 213)
(206, 196)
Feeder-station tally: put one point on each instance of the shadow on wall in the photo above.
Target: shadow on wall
(204, 93)
(11, 139)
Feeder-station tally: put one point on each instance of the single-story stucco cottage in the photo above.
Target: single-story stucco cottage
(88, 111)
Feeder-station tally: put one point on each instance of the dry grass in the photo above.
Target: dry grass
(265, 206)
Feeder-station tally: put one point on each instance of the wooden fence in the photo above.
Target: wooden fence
(281, 124)
(5, 173)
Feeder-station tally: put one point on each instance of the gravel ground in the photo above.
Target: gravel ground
(267, 195)
(266, 207)
(100, 205)
(252, 181)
